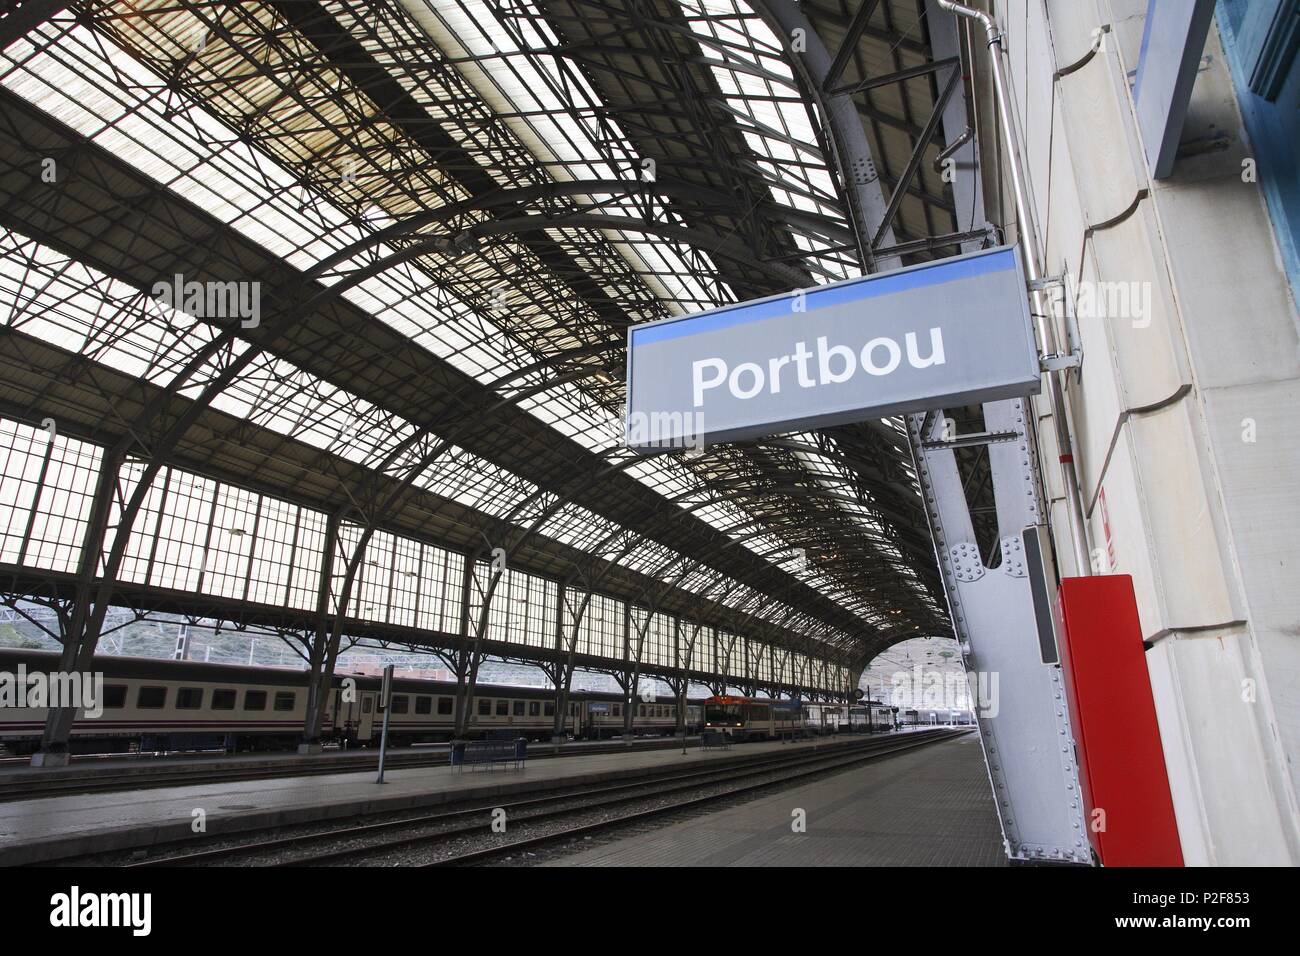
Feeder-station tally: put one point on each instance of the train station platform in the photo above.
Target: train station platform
(50, 828)
(927, 807)
(138, 771)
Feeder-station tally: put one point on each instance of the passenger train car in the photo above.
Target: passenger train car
(873, 716)
(931, 717)
(753, 718)
(151, 704)
(603, 718)
(823, 718)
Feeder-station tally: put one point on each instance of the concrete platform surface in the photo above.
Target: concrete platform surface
(927, 807)
(54, 827)
(17, 772)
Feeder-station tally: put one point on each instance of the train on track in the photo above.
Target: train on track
(761, 718)
(941, 717)
(162, 705)
(864, 717)
(753, 718)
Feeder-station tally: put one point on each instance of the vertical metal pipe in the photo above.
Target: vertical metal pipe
(1033, 265)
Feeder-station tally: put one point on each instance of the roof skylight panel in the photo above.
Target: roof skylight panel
(203, 180)
(524, 84)
(159, 147)
(78, 308)
(750, 64)
(474, 482)
(274, 395)
(271, 393)
(578, 527)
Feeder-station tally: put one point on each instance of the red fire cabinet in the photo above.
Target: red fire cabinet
(1121, 761)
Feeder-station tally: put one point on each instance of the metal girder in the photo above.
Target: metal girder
(522, 198)
(1023, 720)
(918, 153)
(898, 76)
(857, 168)
(848, 45)
(23, 16)
(535, 224)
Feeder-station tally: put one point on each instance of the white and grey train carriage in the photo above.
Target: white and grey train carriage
(163, 705)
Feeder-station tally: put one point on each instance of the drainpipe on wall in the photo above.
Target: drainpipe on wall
(1033, 266)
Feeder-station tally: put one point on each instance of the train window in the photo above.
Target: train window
(503, 708)
(424, 705)
(534, 708)
(618, 710)
(284, 699)
(400, 703)
(114, 696)
(445, 705)
(519, 708)
(367, 703)
(189, 698)
(151, 698)
(484, 707)
(223, 698)
(254, 700)
(641, 710)
(549, 709)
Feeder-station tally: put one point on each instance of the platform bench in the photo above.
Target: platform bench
(710, 739)
(494, 751)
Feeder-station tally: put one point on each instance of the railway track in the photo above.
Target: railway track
(584, 831)
(458, 836)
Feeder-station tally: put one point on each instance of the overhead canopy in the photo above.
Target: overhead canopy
(454, 210)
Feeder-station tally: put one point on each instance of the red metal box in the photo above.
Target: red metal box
(1130, 812)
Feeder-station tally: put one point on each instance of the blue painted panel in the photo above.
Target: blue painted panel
(1254, 41)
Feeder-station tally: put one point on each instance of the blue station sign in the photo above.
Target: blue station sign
(942, 334)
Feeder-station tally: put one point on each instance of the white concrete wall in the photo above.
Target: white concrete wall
(1208, 524)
